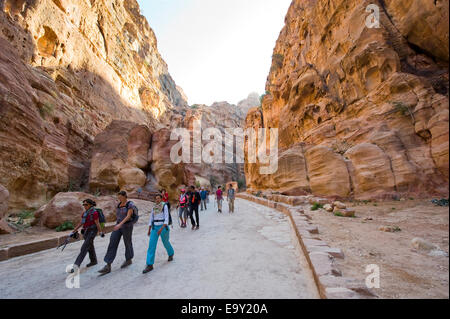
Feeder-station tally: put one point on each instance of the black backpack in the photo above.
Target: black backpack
(170, 216)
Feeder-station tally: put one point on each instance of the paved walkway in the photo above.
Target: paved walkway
(245, 255)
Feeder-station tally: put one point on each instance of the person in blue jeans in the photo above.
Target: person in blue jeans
(203, 195)
(158, 226)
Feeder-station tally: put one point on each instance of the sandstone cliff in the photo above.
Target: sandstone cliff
(362, 112)
(68, 68)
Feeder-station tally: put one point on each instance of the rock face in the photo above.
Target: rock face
(68, 68)
(120, 158)
(362, 112)
(67, 207)
(221, 116)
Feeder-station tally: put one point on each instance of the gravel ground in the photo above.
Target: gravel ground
(245, 255)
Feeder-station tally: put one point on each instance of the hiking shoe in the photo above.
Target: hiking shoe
(92, 263)
(126, 264)
(147, 269)
(170, 258)
(193, 227)
(105, 270)
(197, 227)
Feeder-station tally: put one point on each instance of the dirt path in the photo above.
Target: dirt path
(405, 272)
(245, 255)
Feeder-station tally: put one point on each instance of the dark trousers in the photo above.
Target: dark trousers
(126, 231)
(88, 246)
(193, 209)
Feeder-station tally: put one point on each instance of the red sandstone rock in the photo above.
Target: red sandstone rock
(68, 207)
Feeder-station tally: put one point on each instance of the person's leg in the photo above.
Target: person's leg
(185, 215)
(197, 216)
(165, 239)
(92, 254)
(180, 215)
(152, 246)
(87, 246)
(112, 247)
(127, 232)
(232, 205)
(191, 213)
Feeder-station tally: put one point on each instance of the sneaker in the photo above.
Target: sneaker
(197, 227)
(92, 263)
(147, 269)
(126, 264)
(193, 227)
(170, 258)
(105, 270)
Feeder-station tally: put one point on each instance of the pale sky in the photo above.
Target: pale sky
(217, 50)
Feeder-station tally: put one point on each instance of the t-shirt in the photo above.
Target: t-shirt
(165, 197)
(89, 217)
(231, 193)
(122, 212)
(203, 194)
(194, 198)
(219, 194)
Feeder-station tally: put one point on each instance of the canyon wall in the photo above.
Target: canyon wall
(362, 111)
(68, 69)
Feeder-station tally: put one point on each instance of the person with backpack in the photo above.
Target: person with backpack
(194, 202)
(230, 198)
(165, 198)
(127, 216)
(219, 199)
(90, 221)
(182, 208)
(203, 195)
(158, 226)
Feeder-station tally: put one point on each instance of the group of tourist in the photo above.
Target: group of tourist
(160, 219)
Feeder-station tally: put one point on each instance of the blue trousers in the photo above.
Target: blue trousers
(154, 241)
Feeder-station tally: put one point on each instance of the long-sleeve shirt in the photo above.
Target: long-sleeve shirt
(159, 216)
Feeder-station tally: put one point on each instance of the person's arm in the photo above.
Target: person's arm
(150, 222)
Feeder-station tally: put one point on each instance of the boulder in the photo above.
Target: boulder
(68, 207)
(339, 205)
(4, 197)
(120, 156)
(421, 244)
(328, 207)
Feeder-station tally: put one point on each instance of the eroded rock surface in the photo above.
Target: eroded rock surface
(68, 68)
(369, 106)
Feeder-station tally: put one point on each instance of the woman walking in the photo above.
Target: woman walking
(158, 226)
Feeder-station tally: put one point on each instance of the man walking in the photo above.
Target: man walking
(91, 226)
(124, 227)
(158, 226)
(230, 198)
(194, 201)
(219, 199)
(203, 195)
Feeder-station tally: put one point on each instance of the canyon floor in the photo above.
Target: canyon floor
(404, 271)
(245, 255)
